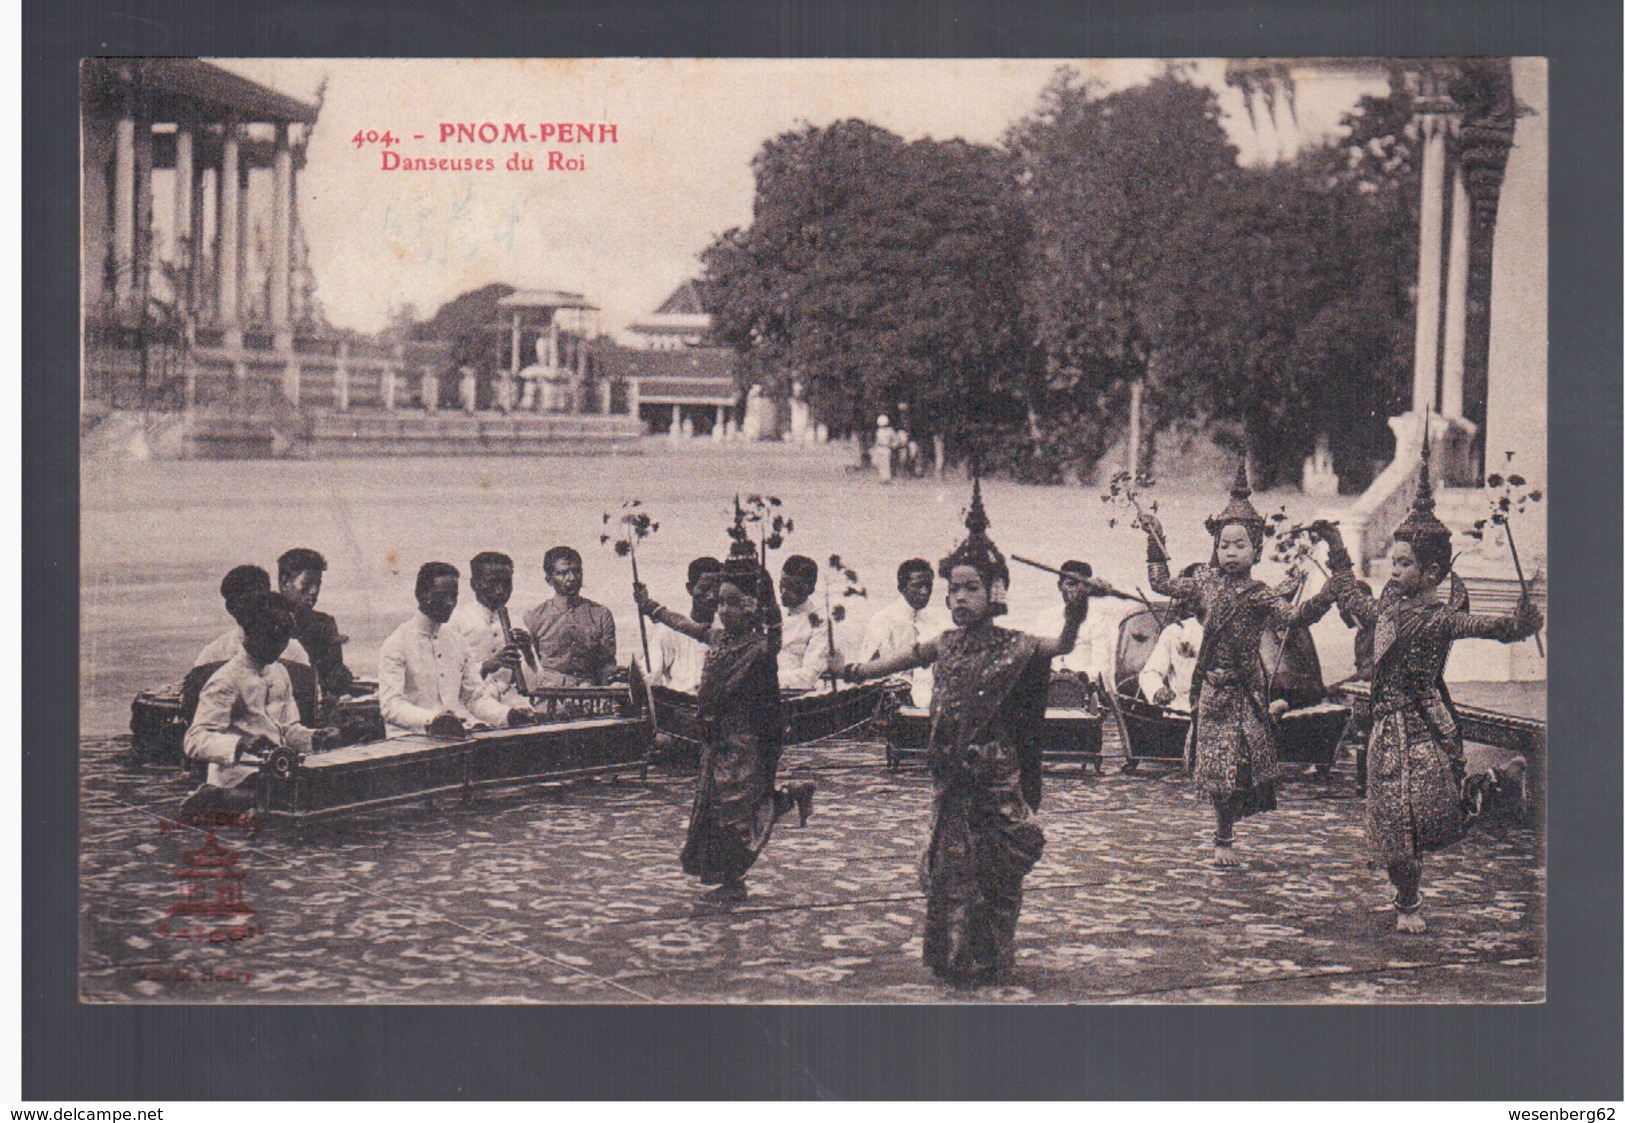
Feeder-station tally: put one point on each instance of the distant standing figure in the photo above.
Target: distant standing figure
(468, 388)
(885, 447)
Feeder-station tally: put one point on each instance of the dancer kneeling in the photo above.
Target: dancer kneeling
(1232, 734)
(738, 802)
(1415, 765)
(987, 715)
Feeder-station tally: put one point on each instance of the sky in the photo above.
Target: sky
(628, 226)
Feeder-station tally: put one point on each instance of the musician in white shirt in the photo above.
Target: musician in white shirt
(508, 669)
(678, 658)
(247, 706)
(1165, 680)
(428, 679)
(910, 619)
(1095, 655)
(237, 589)
(805, 647)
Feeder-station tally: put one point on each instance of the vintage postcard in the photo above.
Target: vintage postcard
(813, 531)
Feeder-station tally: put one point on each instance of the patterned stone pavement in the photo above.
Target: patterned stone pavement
(572, 894)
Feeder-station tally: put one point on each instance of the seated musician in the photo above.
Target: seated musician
(908, 620)
(574, 637)
(679, 658)
(805, 648)
(299, 579)
(247, 708)
(428, 679)
(238, 588)
(504, 666)
(1095, 656)
(1165, 680)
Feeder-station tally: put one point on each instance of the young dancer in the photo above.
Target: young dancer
(1231, 724)
(987, 716)
(1415, 767)
(738, 800)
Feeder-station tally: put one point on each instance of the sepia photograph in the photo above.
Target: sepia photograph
(813, 531)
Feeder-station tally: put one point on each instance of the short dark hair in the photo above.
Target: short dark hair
(799, 565)
(911, 567)
(1077, 569)
(699, 567)
(558, 554)
(243, 582)
(430, 572)
(489, 558)
(299, 560)
(263, 611)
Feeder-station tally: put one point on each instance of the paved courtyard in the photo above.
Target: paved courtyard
(573, 894)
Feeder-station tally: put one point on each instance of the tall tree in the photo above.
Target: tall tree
(876, 272)
(1108, 179)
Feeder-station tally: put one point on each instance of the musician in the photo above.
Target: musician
(504, 653)
(574, 637)
(299, 579)
(247, 706)
(1165, 680)
(805, 647)
(910, 619)
(678, 657)
(1095, 655)
(238, 589)
(428, 679)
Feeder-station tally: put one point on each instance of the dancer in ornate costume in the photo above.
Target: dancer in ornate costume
(987, 715)
(1231, 728)
(738, 801)
(1415, 766)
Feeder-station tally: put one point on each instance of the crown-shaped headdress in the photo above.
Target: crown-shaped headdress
(1240, 509)
(978, 548)
(1422, 523)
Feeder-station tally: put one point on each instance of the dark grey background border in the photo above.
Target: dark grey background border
(1568, 1049)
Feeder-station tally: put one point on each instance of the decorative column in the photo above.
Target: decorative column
(194, 238)
(245, 301)
(281, 240)
(1432, 124)
(141, 263)
(123, 207)
(227, 233)
(1455, 303)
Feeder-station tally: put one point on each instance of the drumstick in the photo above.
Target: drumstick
(1105, 590)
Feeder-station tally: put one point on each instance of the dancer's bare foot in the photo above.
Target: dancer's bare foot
(802, 792)
(1410, 920)
(1224, 854)
(728, 891)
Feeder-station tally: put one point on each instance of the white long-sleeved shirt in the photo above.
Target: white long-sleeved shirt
(481, 629)
(425, 670)
(1095, 653)
(242, 699)
(895, 629)
(804, 648)
(230, 644)
(1172, 663)
(678, 660)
